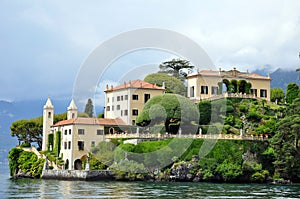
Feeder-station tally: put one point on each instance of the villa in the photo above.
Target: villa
(206, 84)
(124, 102)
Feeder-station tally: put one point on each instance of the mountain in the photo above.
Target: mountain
(280, 77)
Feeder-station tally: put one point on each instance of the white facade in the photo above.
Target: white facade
(78, 135)
(126, 101)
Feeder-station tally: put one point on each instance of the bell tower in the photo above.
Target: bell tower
(48, 115)
(72, 110)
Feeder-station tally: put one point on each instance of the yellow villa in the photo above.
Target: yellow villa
(205, 84)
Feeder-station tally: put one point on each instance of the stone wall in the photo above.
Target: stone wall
(77, 174)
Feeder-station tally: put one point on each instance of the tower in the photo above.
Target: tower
(72, 110)
(48, 115)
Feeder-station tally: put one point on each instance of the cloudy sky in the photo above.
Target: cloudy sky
(44, 44)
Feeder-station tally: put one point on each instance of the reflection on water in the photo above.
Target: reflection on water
(29, 188)
(108, 189)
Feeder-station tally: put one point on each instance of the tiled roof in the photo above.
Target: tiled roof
(134, 84)
(92, 121)
(229, 74)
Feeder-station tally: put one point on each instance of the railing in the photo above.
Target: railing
(207, 136)
(235, 95)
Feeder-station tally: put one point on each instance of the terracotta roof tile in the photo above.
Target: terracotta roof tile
(135, 84)
(231, 74)
(92, 121)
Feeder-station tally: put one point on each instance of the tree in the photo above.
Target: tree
(292, 92)
(205, 112)
(28, 131)
(173, 110)
(277, 94)
(89, 108)
(285, 143)
(173, 84)
(176, 68)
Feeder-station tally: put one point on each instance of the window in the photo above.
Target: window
(108, 108)
(112, 99)
(126, 97)
(118, 107)
(70, 131)
(133, 122)
(121, 97)
(99, 132)
(112, 108)
(253, 92)
(192, 91)
(214, 90)
(146, 97)
(73, 115)
(80, 131)
(92, 143)
(80, 145)
(118, 98)
(49, 114)
(135, 97)
(121, 112)
(135, 112)
(69, 145)
(204, 89)
(263, 93)
(125, 112)
(108, 100)
(66, 145)
(66, 132)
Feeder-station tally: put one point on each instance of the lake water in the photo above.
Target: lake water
(27, 188)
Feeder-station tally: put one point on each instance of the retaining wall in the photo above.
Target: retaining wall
(77, 174)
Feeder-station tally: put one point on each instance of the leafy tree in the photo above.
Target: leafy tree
(176, 68)
(173, 84)
(28, 131)
(286, 143)
(89, 108)
(172, 110)
(205, 112)
(27, 162)
(277, 94)
(292, 92)
(59, 117)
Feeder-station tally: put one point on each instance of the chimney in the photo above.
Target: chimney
(163, 85)
(106, 86)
